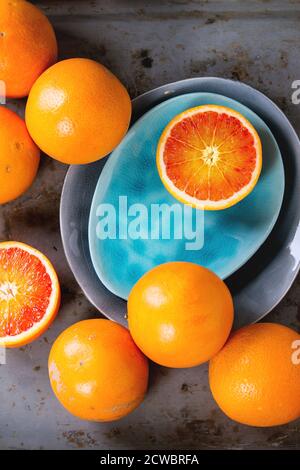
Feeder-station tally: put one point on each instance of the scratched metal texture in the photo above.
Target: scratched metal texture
(146, 43)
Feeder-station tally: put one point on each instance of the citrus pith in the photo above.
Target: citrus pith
(29, 294)
(209, 157)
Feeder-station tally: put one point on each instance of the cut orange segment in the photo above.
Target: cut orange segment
(29, 294)
(209, 157)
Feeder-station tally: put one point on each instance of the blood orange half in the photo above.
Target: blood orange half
(29, 294)
(209, 157)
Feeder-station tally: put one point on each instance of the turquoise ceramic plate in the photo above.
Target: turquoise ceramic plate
(230, 237)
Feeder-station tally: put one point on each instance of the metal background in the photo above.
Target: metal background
(146, 43)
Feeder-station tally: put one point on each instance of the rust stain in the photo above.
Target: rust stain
(114, 432)
(41, 211)
(187, 388)
(146, 60)
(79, 439)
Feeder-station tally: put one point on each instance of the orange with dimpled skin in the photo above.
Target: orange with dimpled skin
(180, 314)
(19, 156)
(78, 111)
(27, 46)
(255, 378)
(97, 372)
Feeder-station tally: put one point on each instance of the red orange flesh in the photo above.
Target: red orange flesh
(29, 294)
(209, 157)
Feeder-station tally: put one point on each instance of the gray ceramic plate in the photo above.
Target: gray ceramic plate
(262, 282)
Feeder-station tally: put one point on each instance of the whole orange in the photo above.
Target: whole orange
(27, 46)
(19, 156)
(78, 111)
(255, 378)
(97, 372)
(180, 314)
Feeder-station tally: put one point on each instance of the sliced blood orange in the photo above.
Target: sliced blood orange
(29, 294)
(209, 157)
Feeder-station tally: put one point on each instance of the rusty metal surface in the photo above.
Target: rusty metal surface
(146, 43)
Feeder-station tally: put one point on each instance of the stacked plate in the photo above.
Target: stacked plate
(254, 246)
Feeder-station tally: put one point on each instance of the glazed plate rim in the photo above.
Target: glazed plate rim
(142, 119)
(80, 263)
